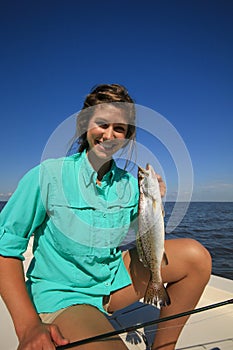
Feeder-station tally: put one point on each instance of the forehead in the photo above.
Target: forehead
(109, 113)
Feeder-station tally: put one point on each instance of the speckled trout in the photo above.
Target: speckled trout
(150, 236)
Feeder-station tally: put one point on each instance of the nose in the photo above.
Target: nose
(108, 133)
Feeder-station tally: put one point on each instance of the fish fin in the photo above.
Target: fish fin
(157, 294)
(165, 259)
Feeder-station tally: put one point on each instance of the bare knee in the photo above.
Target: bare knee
(198, 258)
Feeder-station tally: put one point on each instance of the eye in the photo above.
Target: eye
(121, 128)
(102, 124)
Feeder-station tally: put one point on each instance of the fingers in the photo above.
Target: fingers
(42, 337)
(56, 335)
(162, 185)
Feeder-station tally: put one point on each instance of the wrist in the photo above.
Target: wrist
(26, 326)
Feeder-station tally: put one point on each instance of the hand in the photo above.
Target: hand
(42, 336)
(162, 185)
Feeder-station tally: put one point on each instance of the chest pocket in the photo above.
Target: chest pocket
(111, 226)
(86, 231)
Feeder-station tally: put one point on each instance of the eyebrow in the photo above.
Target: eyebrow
(105, 121)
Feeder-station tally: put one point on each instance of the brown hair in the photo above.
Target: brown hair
(106, 93)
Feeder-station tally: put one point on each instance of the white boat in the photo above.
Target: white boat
(209, 330)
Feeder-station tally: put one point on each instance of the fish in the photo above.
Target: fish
(150, 235)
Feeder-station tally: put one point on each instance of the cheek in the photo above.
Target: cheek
(91, 134)
(124, 135)
(121, 142)
(88, 136)
(121, 135)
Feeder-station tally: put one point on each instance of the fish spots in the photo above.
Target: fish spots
(150, 237)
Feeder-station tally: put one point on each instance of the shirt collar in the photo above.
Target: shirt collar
(90, 175)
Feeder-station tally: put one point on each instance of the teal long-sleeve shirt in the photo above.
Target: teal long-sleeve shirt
(77, 227)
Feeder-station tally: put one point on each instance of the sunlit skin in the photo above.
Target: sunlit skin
(187, 272)
(106, 134)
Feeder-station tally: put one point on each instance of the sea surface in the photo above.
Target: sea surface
(210, 223)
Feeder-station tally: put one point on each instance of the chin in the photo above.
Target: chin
(101, 155)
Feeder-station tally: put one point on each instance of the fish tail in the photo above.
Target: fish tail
(157, 294)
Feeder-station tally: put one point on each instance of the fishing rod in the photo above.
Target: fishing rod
(141, 325)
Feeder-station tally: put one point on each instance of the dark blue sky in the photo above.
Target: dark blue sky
(174, 57)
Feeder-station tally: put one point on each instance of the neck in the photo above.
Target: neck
(101, 166)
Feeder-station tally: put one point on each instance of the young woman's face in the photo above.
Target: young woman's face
(107, 131)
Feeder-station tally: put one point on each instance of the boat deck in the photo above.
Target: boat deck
(209, 330)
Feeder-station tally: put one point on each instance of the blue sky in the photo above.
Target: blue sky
(175, 57)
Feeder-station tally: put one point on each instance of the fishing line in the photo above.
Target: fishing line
(142, 325)
(148, 331)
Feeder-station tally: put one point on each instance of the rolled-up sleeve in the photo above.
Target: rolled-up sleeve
(22, 215)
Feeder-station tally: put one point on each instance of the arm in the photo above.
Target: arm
(28, 326)
(24, 212)
(14, 293)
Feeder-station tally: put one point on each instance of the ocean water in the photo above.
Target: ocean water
(210, 223)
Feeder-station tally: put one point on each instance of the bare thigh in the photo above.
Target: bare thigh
(84, 321)
(185, 257)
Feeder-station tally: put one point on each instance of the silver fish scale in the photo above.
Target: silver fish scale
(150, 236)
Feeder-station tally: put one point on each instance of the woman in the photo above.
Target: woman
(80, 208)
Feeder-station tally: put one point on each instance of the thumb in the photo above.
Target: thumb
(56, 335)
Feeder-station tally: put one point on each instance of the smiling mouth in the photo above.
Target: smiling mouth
(106, 146)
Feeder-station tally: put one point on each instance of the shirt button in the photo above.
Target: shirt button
(107, 284)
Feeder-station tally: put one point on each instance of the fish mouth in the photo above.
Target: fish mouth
(143, 171)
(142, 174)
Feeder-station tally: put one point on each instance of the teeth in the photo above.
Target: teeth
(106, 146)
